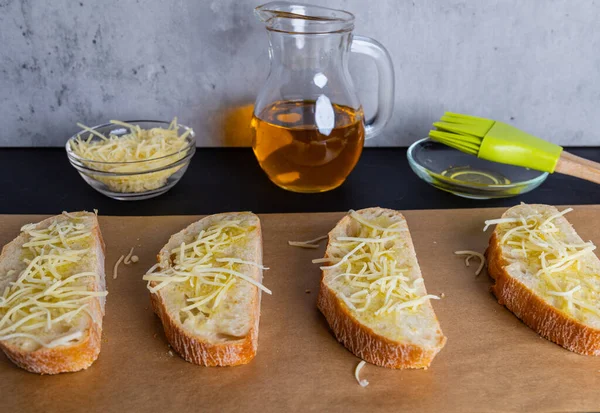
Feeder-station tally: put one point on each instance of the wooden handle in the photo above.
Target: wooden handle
(573, 165)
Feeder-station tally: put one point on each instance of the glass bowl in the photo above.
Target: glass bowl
(137, 180)
(467, 176)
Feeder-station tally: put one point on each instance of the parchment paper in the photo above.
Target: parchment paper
(492, 361)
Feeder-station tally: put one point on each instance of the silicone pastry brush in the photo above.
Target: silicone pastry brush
(503, 143)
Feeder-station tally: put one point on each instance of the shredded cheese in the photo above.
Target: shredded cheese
(239, 261)
(116, 268)
(322, 260)
(565, 293)
(202, 269)
(363, 382)
(312, 243)
(128, 257)
(140, 151)
(471, 254)
(65, 213)
(345, 257)
(557, 265)
(368, 224)
(370, 278)
(50, 294)
(490, 222)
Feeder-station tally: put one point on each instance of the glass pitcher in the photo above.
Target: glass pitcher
(308, 126)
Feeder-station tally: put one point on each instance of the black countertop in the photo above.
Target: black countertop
(41, 181)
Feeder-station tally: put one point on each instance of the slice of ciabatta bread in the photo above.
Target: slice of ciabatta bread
(547, 276)
(208, 299)
(53, 293)
(372, 292)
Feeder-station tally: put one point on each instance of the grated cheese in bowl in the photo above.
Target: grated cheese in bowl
(132, 160)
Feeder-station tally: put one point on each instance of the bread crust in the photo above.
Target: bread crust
(71, 358)
(362, 340)
(61, 359)
(197, 350)
(546, 320)
(365, 343)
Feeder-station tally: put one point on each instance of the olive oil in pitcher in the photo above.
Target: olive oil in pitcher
(304, 150)
(308, 126)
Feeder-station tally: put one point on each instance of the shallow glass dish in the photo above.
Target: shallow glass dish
(137, 180)
(467, 176)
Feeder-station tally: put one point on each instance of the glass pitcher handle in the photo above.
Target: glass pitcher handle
(385, 102)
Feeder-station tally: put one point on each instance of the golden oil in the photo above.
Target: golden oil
(300, 156)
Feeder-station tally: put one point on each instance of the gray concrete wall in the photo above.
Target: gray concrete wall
(535, 63)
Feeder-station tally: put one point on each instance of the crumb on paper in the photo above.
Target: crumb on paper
(442, 295)
(307, 291)
(135, 258)
(170, 353)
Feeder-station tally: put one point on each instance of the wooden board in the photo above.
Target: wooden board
(492, 362)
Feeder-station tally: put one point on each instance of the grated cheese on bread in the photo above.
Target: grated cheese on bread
(372, 292)
(206, 289)
(547, 275)
(52, 287)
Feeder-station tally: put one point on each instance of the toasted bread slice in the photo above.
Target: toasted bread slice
(382, 314)
(561, 303)
(65, 288)
(222, 328)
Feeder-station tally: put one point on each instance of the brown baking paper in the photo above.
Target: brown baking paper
(492, 361)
